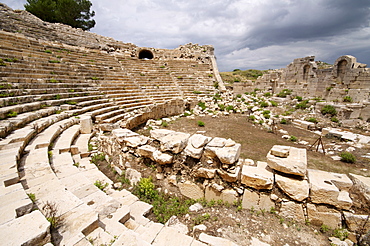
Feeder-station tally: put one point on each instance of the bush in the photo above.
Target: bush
(329, 109)
(97, 158)
(222, 107)
(340, 233)
(347, 99)
(293, 138)
(202, 105)
(273, 103)
(201, 123)
(101, 184)
(347, 157)
(312, 119)
(302, 105)
(284, 93)
(164, 123)
(145, 189)
(267, 94)
(252, 117)
(230, 107)
(298, 98)
(334, 119)
(264, 104)
(283, 121)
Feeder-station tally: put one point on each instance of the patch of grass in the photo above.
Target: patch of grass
(347, 157)
(51, 213)
(97, 158)
(201, 123)
(222, 107)
(12, 114)
(2, 63)
(202, 105)
(54, 61)
(164, 123)
(334, 119)
(11, 59)
(164, 206)
(347, 99)
(48, 51)
(283, 121)
(197, 92)
(230, 108)
(311, 119)
(302, 105)
(274, 104)
(264, 104)
(298, 98)
(293, 138)
(329, 109)
(94, 78)
(71, 102)
(201, 218)
(284, 93)
(324, 228)
(101, 184)
(32, 196)
(340, 233)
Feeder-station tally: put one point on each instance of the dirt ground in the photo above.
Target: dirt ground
(256, 142)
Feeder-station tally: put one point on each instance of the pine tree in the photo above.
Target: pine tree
(75, 13)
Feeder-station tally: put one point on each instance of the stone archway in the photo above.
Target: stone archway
(341, 69)
(146, 55)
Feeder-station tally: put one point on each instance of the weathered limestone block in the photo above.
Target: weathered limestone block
(211, 193)
(205, 173)
(361, 186)
(86, 124)
(133, 175)
(210, 152)
(280, 151)
(30, 229)
(162, 158)
(292, 210)
(211, 240)
(146, 151)
(175, 223)
(199, 141)
(324, 188)
(175, 142)
(229, 195)
(136, 141)
(297, 189)
(257, 177)
(319, 215)
(191, 190)
(158, 134)
(121, 134)
(229, 155)
(295, 163)
(265, 202)
(217, 142)
(193, 152)
(250, 199)
(230, 177)
(356, 222)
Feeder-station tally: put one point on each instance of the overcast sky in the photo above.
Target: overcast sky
(260, 34)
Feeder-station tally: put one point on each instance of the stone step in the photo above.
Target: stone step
(100, 118)
(65, 140)
(82, 143)
(30, 229)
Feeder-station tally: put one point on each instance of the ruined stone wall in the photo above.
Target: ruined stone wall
(307, 78)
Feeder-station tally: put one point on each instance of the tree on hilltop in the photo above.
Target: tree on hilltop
(75, 13)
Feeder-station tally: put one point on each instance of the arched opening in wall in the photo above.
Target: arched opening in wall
(306, 68)
(341, 69)
(146, 55)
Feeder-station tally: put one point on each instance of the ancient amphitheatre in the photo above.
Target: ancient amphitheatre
(85, 117)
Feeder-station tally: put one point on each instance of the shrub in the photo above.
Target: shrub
(252, 117)
(222, 107)
(267, 94)
(283, 121)
(145, 189)
(334, 119)
(101, 184)
(202, 105)
(12, 114)
(97, 158)
(284, 93)
(347, 157)
(302, 105)
(298, 98)
(264, 104)
(201, 123)
(32, 196)
(324, 228)
(164, 123)
(312, 119)
(239, 96)
(230, 107)
(329, 109)
(340, 233)
(347, 99)
(273, 103)
(293, 138)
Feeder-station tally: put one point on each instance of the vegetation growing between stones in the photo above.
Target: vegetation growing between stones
(164, 206)
(329, 109)
(347, 157)
(101, 184)
(50, 210)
